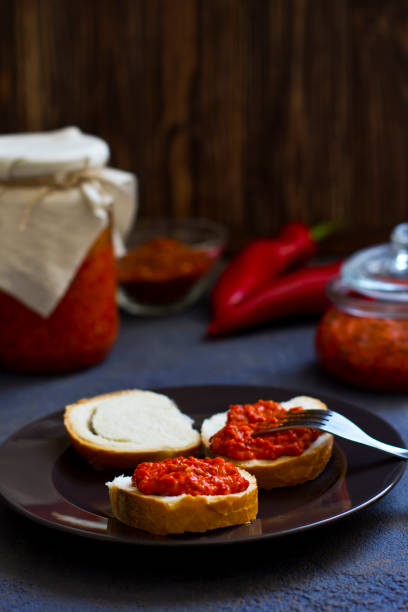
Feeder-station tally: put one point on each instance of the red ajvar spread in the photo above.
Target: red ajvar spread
(189, 475)
(368, 352)
(79, 332)
(161, 270)
(235, 439)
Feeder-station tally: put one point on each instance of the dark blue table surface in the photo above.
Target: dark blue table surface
(359, 563)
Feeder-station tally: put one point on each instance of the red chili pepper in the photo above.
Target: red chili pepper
(299, 292)
(262, 260)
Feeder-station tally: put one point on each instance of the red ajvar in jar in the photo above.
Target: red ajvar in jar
(57, 270)
(79, 332)
(368, 352)
(363, 337)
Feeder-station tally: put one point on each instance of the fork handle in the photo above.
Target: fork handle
(387, 448)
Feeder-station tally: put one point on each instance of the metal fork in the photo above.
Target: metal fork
(332, 422)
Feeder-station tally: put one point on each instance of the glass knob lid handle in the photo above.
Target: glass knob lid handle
(399, 241)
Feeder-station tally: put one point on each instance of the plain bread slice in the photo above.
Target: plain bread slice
(136, 425)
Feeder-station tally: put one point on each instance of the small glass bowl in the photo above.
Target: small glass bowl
(168, 264)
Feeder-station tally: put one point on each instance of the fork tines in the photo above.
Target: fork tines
(306, 414)
(303, 418)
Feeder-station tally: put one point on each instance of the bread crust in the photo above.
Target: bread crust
(184, 513)
(287, 470)
(102, 456)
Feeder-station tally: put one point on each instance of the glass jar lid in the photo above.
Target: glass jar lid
(381, 271)
(374, 281)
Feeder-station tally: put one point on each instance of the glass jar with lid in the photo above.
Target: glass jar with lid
(57, 268)
(362, 338)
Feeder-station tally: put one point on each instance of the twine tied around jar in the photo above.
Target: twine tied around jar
(90, 182)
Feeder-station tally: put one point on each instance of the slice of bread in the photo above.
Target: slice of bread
(122, 429)
(163, 515)
(286, 470)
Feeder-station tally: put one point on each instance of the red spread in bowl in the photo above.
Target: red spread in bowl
(162, 270)
(189, 475)
(235, 439)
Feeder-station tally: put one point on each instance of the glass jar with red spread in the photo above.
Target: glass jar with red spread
(362, 338)
(57, 268)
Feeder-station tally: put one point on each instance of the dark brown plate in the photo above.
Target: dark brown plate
(42, 477)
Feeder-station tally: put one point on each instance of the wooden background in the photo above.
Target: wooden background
(250, 112)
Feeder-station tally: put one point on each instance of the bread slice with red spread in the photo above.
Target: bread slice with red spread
(285, 470)
(123, 428)
(164, 514)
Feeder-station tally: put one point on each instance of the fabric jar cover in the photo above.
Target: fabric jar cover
(56, 195)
